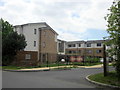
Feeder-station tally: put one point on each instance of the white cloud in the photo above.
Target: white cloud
(69, 15)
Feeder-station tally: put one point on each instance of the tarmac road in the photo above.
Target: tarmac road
(74, 78)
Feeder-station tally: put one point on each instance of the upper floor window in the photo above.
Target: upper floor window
(34, 43)
(98, 44)
(89, 45)
(71, 45)
(35, 31)
(79, 45)
(44, 44)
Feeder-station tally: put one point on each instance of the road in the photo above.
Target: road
(74, 78)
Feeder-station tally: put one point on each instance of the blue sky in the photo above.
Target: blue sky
(71, 19)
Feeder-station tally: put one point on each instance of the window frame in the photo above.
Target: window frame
(88, 45)
(99, 44)
(27, 56)
(35, 31)
(35, 43)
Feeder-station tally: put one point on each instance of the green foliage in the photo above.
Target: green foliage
(12, 42)
(113, 20)
(92, 59)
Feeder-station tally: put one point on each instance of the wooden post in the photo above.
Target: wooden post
(105, 61)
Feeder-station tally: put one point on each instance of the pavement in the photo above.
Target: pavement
(47, 68)
(53, 68)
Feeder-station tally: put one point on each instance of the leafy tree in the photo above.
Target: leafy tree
(12, 42)
(113, 20)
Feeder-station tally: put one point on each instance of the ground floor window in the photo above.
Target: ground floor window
(27, 56)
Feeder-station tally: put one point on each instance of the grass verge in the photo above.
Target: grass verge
(111, 79)
(72, 65)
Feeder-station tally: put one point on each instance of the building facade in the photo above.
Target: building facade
(44, 47)
(41, 42)
(93, 48)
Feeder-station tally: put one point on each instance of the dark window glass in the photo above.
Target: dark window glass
(34, 43)
(79, 45)
(98, 44)
(71, 45)
(89, 45)
(35, 31)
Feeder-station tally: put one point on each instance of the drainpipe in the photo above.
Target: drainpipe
(40, 55)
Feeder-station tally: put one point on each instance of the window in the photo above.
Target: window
(79, 51)
(79, 45)
(44, 32)
(89, 45)
(71, 45)
(89, 51)
(27, 56)
(35, 31)
(71, 52)
(39, 28)
(44, 44)
(98, 51)
(98, 44)
(34, 43)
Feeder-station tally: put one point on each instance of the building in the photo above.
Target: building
(41, 44)
(92, 48)
(61, 47)
(44, 47)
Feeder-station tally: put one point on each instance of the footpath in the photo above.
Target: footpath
(53, 68)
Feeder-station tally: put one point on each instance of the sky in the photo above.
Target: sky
(73, 20)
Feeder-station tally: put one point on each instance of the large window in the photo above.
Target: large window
(79, 45)
(88, 44)
(98, 44)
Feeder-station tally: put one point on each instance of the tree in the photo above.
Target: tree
(113, 20)
(12, 42)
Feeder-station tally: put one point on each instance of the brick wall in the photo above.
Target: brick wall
(26, 58)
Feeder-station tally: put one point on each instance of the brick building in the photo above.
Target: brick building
(93, 48)
(41, 44)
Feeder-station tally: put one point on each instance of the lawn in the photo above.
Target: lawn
(72, 64)
(21, 67)
(111, 79)
(85, 64)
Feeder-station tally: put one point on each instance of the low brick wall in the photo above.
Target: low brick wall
(26, 58)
